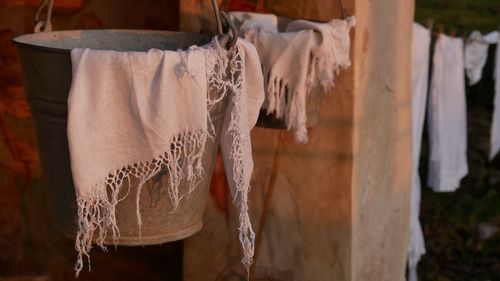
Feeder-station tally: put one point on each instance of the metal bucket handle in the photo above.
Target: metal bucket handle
(46, 25)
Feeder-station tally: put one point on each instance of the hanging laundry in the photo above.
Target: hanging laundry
(447, 116)
(476, 53)
(492, 38)
(293, 62)
(132, 114)
(420, 69)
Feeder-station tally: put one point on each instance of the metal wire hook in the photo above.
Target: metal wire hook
(232, 28)
(44, 25)
(229, 23)
(221, 16)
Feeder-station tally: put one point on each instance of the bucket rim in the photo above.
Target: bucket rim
(18, 39)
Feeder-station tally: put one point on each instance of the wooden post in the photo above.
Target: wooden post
(340, 204)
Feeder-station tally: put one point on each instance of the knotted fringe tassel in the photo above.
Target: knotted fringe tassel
(96, 210)
(289, 104)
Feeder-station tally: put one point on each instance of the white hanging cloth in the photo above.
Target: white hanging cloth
(132, 114)
(492, 38)
(447, 116)
(476, 52)
(420, 73)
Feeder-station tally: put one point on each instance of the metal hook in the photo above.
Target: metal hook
(44, 25)
(232, 28)
(222, 15)
(229, 23)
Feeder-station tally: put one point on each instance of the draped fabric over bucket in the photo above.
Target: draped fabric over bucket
(133, 114)
(308, 54)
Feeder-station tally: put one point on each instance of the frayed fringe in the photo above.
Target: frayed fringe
(324, 63)
(289, 104)
(96, 210)
(229, 79)
(241, 177)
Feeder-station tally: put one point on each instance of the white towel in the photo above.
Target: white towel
(293, 62)
(492, 38)
(447, 116)
(126, 110)
(420, 67)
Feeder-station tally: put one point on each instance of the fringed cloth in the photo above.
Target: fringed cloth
(133, 114)
(294, 62)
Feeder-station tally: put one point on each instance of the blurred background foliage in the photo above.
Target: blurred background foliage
(463, 15)
(454, 224)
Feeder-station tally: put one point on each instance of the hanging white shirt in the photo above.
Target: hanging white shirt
(447, 116)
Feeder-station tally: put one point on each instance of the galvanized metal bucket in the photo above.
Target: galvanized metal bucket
(46, 65)
(313, 110)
